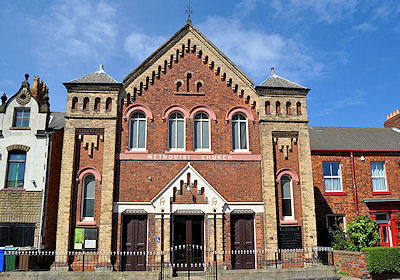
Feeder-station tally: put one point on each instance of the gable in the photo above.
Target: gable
(189, 39)
(212, 199)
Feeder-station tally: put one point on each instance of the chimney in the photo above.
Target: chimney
(393, 119)
(38, 89)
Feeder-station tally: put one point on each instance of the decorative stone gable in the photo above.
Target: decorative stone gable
(190, 40)
(188, 187)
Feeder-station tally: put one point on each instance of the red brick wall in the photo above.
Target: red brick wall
(352, 263)
(53, 185)
(345, 203)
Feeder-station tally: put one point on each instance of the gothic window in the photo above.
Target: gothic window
(176, 131)
(137, 131)
(74, 103)
(88, 196)
(21, 117)
(16, 169)
(288, 108)
(108, 104)
(287, 198)
(97, 104)
(298, 106)
(188, 77)
(239, 132)
(278, 107)
(267, 107)
(201, 124)
(86, 103)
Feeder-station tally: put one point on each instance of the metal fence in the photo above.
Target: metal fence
(180, 262)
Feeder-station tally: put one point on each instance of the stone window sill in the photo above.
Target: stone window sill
(86, 223)
(13, 189)
(136, 152)
(289, 222)
(19, 128)
(243, 152)
(334, 193)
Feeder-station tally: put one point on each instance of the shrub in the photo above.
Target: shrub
(383, 259)
(362, 233)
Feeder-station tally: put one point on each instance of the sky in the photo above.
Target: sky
(346, 51)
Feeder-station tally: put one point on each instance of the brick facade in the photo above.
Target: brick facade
(344, 202)
(187, 75)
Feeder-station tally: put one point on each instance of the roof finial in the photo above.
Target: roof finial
(26, 76)
(101, 68)
(272, 71)
(189, 11)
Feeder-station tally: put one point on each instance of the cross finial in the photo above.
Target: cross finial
(189, 11)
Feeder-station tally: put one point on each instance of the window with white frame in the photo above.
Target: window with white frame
(88, 196)
(335, 222)
(201, 123)
(176, 131)
(239, 132)
(378, 176)
(287, 198)
(332, 176)
(137, 131)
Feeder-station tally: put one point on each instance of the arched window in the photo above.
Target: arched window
(74, 103)
(97, 104)
(267, 107)
(137, 131)
(16, 169)
(108, 104)
(239, 132)
(201, 123)
(288, 108)
(86, 103)
(287, 198)
(278, 107)
(88, 195)
(176, 131)
(298, 106)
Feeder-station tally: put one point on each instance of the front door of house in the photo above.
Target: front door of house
(242, 241)
(135, 229)
(384, 229)
(188, 232)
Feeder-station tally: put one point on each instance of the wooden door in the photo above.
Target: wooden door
(243, 241)
(136, 237)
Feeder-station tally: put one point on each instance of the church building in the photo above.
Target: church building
(185, 151)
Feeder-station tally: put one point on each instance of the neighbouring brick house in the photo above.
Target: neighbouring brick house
(356, 172)
(185, 151)
(27, 130)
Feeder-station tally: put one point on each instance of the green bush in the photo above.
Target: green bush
(361, 233)
(383, 259)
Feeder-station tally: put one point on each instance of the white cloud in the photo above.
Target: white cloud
(140, 45)
(340, 103)
(255, 50)
(327, 11)
(78, 29)
(365, 27)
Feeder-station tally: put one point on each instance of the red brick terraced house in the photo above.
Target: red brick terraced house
(186, 150)
(356, 171)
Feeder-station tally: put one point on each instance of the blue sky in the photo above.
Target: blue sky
(346, 51)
